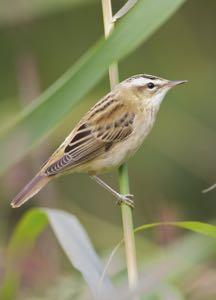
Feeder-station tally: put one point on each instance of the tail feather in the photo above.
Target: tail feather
(32, 188)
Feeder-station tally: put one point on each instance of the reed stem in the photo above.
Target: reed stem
(127, 217)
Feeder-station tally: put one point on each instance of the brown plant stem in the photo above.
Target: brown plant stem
(127, 217)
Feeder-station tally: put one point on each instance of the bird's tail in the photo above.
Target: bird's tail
(32, 188)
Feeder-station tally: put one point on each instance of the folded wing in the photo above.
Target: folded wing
(93, 136)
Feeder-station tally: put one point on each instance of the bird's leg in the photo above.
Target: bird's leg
(127, 199)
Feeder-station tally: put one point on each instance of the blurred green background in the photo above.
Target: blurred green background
(39, 40)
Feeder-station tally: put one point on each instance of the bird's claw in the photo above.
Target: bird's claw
(126, 199)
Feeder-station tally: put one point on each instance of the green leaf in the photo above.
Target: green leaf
(73, 239)
(26, 233)
(23, 239)
(198, 227)
(77, 246)
(43, 115)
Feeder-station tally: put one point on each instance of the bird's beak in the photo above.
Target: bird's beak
(173, 83)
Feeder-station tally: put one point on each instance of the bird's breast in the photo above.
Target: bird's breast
(121, 151)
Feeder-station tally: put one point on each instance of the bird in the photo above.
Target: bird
(106, 136)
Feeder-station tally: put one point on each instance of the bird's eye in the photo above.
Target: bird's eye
(150, 85)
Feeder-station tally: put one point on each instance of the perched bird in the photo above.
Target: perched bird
(108, 134)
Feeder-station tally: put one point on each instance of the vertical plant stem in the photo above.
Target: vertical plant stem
(127, 217)
(108, 27)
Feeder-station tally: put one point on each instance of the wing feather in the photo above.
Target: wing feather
(92, 137)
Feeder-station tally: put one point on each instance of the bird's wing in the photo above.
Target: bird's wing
(95, 134)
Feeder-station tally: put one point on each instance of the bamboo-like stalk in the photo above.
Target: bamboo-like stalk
(127, 217)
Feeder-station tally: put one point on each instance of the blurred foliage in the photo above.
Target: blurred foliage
(39, 40)
(24, 10)
(77, 246)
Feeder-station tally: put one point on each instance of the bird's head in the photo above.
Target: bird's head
(150, 89)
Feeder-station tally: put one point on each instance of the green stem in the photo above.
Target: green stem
(128, 228)
(127, 217)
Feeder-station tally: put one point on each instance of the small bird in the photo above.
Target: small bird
(108, 134)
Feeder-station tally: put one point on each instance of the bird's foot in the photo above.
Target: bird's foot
(126, 199)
